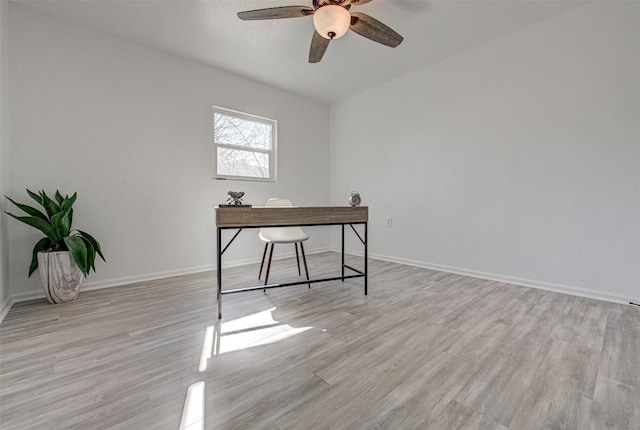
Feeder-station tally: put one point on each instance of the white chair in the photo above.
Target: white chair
(273, 235)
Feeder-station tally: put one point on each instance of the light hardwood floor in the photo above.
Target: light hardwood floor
(425, 350)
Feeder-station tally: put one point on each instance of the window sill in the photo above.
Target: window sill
(243, 178)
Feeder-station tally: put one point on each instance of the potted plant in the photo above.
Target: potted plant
(65, 255)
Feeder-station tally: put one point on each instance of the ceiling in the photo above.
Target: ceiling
(276, 51)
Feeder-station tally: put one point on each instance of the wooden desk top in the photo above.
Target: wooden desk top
(264, 216)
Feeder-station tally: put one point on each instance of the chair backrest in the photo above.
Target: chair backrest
(278, 202)
(282, 234)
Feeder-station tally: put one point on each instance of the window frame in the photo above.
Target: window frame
(272, 153)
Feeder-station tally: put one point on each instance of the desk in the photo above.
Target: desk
(265, 216)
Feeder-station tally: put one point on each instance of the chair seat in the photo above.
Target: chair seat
(283, 235)
(273, 235)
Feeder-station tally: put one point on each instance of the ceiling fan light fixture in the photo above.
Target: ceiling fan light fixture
(331, 21)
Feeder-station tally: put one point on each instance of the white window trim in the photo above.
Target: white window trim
(272, 152)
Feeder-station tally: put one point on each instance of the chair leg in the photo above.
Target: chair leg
(264, 254)
(266, 279)
(304, 259)
(297, 257)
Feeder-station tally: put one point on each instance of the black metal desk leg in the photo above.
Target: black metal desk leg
(342, 252)
(366, 259)
(219, 271)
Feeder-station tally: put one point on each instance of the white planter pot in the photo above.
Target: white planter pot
(61, 278)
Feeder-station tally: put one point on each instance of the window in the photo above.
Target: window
(245, 146)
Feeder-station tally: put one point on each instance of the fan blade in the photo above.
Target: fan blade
(276, 13)
(318, 46)
(373, 29)
(359, 2)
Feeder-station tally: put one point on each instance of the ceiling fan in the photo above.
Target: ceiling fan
(331, 19)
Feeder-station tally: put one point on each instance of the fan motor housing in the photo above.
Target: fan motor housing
(320, 3)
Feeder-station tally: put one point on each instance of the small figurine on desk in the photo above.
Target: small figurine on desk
(235, 198)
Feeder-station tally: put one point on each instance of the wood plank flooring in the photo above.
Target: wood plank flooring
(425, 350)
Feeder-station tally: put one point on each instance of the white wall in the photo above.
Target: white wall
(129, 128)
(518, 160)
(4, 145)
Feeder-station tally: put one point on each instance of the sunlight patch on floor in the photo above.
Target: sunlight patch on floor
(249, 331)
(193, 411)
(207, 348)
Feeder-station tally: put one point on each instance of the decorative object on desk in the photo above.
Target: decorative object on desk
(64, 256)
(354, 198)
(235, 198)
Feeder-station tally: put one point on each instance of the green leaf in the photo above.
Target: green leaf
(59, 197)
(91, 255)
(41, 225)
(94, 243)
(78, 251)
(68, 202)
(42, 244)
(61, 224)
(70, 211)
(50, 206)
(35, 196)
(29, 210)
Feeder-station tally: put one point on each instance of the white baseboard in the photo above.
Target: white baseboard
(541, 285)
(6, 307)
(116, 282)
